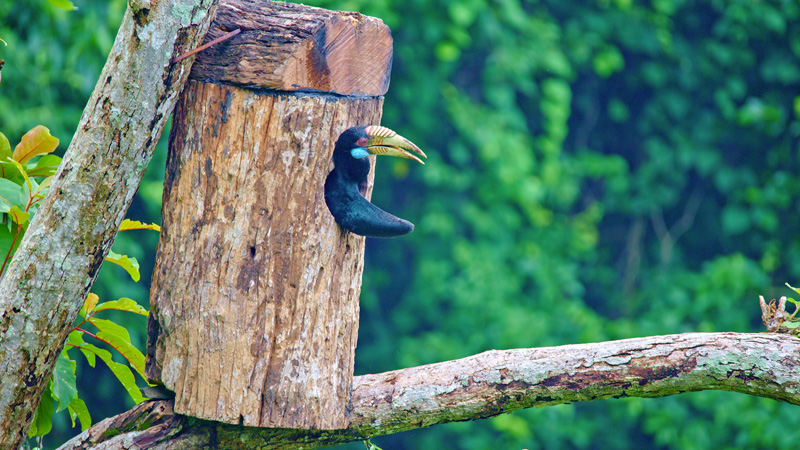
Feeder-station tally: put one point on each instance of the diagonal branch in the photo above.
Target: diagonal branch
(58, 259)
(492, 383)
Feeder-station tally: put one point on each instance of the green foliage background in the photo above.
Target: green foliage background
(597, 170)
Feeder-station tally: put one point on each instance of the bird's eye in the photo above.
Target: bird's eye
(359, 153)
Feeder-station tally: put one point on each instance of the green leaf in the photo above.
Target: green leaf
(6, 238)
(19, 216)
(11, 192)
(5, 205)
(5, 147)
(793, 288)
(121, 371)
(608, 61)
(64, 388)
(37, 141)
(370, 446)
(136, 225)
(131, 265)
(9, 171)
(15, 175)
(63, 4)
(790, 325)
(117, 336)
(41, 189)
(43, 419)
(124, 304)
(29, 190)
(27, 179)
(45, 166)
(75, 339)
(78, 409)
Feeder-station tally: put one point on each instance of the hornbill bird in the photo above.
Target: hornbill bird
(347, 183)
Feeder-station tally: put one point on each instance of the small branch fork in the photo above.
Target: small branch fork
(492, 383)
(216, 41)
(777, 319)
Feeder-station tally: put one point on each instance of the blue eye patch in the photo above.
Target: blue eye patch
(359, 152)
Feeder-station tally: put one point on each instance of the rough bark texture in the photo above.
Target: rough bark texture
(289, 47)
(500, 381)
(255, 291)
(72, 232)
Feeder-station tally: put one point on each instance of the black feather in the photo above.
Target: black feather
(344, 197)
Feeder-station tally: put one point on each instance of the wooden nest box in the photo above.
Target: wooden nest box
(255, 291)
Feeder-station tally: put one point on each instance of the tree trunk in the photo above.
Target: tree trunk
(492, 383)
(57, 260)
(255, 291)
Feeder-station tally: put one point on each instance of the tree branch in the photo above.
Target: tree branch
(492, 383)
(57, 261)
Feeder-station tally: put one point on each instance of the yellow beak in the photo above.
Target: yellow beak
(383, 141)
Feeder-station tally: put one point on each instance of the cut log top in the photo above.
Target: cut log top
(293, 47)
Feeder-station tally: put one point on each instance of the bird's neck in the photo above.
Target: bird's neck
(358, 169)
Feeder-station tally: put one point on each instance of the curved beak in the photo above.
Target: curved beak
(383, 141)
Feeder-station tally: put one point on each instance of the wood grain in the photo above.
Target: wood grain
(292, 47)
(255, 291)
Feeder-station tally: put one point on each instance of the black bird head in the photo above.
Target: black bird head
(346, 184)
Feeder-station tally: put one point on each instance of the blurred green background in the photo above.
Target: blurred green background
(597, 170)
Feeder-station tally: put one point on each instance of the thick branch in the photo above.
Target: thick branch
(72, 232)
(496, 382)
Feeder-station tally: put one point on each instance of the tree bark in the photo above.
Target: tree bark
(492, 383)
(255, 291)
(58, 259)
(292, 47)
